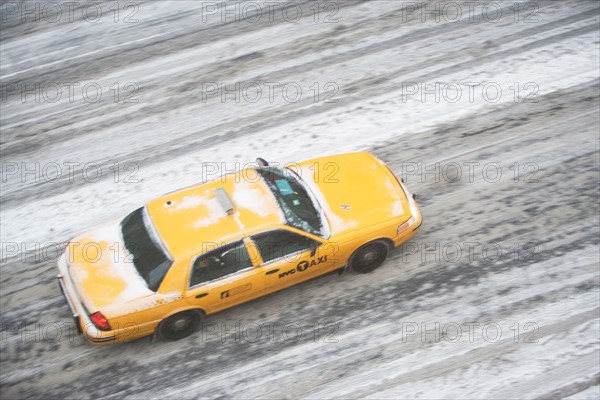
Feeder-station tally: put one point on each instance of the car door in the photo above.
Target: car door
(289, 257)
(224, 277)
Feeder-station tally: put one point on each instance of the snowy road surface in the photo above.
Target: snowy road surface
(488, 110)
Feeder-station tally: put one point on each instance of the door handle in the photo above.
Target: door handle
(272, 271)
(201, 295)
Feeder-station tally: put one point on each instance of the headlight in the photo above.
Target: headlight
(405, 225)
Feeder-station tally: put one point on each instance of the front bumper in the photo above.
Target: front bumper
(415, 212)
(82, 321)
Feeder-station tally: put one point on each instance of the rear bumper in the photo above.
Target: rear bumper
(79, 313)
(75, 314)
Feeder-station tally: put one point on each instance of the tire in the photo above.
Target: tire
(179, 325)
(368, 257)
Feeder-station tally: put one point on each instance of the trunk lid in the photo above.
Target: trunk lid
(102, 269)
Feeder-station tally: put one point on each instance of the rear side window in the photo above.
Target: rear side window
(223, 261)
(280, 243)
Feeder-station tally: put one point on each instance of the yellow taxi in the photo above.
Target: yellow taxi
(205, 248)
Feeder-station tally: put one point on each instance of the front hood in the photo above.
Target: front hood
(102, 269)
(356, 190)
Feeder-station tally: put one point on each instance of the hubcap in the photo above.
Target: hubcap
(180, 324)
(370, 256)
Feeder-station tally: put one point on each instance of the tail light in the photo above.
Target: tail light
(100, 321)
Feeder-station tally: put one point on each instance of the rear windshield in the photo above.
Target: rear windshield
(148, 255)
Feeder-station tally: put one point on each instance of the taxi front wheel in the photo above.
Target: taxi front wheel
(179, 325)
(369, 256)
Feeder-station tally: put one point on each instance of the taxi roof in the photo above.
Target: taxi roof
(189, 219)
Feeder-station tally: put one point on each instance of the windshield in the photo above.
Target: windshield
(294, 200)
(149, 257)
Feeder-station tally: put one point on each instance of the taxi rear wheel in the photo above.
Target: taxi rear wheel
(179, 325)
(369, 256)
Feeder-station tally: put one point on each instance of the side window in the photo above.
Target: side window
(220, 262)
(280, 243)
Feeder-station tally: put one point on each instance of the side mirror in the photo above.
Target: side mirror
(262, 162)
(313, 251)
